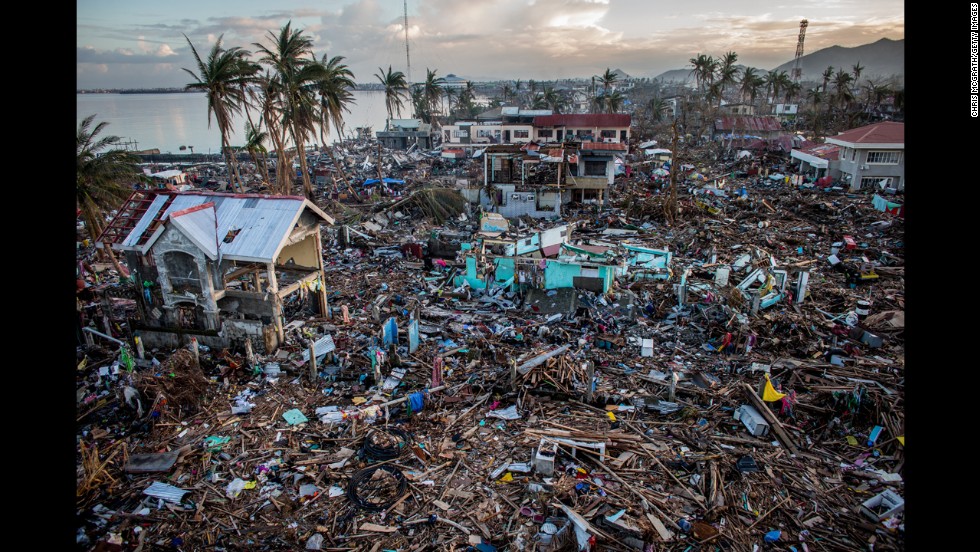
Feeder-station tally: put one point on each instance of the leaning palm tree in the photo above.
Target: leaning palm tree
(335, 88)
(104, 174)
(219, 76)
(271, 106)
(396, 90)
(296, 72)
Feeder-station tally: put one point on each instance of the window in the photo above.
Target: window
(853, 154)
(608, 133)
(445, 136)
(622, 136)
(883, 157)
(521, 134)
(461, 134)
(544, 133)
(595, 168)
(870, 182)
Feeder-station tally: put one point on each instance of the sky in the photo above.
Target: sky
(141, 44)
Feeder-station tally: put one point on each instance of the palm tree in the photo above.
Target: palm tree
(815, 96)
(271, 105)
(220, 76)
(420, 105)
(467, 97)
(657, 106)
(608, 79)
(842, 88)
(827, 74)
(553, 100)
(751, 81)
(335, 89)
(507, 92)
(613, 101)
(104, 174)
(254, 145)
(857, 68)
(727, 72)
(396, 90)
(432, 92)
(296, 73)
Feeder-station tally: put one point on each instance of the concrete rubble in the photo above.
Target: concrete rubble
(602, 380)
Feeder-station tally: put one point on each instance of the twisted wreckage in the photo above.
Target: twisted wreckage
(438, 373)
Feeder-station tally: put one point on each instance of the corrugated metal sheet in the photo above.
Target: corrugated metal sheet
(199, 226)
(166, 492)
(264, 222)
(602, 146)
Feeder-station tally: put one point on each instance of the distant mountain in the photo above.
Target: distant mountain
(676, 75)
(882, 59)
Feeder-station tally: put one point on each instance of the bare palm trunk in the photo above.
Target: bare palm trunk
(282, 184)
(232, 164)
(301, 153)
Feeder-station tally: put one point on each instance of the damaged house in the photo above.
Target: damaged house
(219, 267)
(536, 180)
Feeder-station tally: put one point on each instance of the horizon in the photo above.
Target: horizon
(126, 46)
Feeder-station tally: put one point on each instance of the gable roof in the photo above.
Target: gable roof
(584, 120)
(886, 132)
(263, 222)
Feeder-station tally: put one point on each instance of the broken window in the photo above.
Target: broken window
(544, 133)
(183, 272)
(520, 134)
(595, 168)
(608, 133)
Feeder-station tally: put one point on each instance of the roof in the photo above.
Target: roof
(584, 120)
(598, 146)
(167, 174)
(830, 152)
(264, 222)
(746, 123)
(886, 132)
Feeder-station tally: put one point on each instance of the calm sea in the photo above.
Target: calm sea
(168, 121)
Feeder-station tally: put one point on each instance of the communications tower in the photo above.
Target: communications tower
(797, 70)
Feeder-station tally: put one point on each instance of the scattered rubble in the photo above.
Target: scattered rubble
(602, 381)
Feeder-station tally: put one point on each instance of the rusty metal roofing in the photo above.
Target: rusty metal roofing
(748, 124)
(263, 222)
(584, 120)
(598, 146)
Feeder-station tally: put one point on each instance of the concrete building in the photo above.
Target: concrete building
(219, 266)
(873, 156)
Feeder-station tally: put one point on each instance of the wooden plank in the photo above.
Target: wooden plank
(664, 533)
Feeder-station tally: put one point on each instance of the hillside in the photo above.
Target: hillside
(881, 59)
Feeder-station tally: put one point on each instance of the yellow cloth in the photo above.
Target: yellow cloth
(769, 394)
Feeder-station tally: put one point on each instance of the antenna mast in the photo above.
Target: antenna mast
(408, 60)
(797, 70)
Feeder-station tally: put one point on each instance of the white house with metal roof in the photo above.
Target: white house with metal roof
(221, 262)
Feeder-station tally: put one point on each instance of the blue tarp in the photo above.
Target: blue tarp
(373, 181)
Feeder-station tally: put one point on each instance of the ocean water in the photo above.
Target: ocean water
(169, 121)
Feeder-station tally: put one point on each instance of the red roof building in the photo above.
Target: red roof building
(872, 157)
